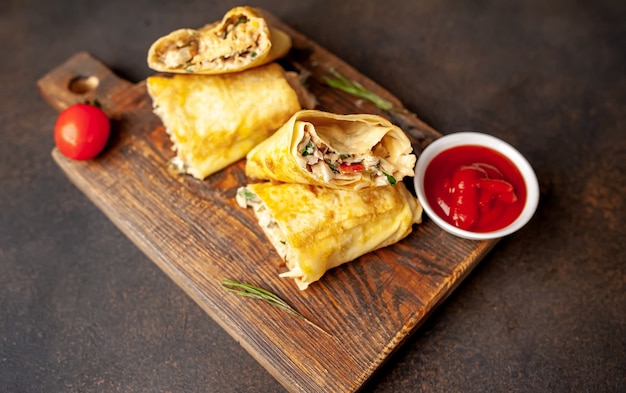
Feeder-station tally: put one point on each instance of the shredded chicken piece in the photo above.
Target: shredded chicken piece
(246, 198)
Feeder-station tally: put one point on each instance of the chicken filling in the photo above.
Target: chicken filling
(324, 163)
(246, 198)
(235, 42)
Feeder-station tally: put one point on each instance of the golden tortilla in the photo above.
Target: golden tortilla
(338, 151)
(214, 120)
(315, 229)
(240, 41)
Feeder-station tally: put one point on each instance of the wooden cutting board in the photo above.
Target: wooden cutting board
(194, 231)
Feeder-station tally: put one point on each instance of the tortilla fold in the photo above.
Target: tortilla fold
(214, 120)
(241, 40)
(339, 151)
(315, 229)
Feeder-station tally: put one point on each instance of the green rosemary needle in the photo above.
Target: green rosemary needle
(251, 291)
(358, 90)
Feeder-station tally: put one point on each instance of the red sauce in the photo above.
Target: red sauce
(475, 188)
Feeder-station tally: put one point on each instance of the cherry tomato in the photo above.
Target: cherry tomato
(81, 131)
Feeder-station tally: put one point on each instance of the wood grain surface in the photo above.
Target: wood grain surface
(194, 231)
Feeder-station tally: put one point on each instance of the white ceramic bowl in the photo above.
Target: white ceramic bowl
(479, 139)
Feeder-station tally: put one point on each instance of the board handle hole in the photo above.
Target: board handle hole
(83, 84)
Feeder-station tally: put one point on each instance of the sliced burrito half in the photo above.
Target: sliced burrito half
(241, 40)
(316, 228)
(338, 151)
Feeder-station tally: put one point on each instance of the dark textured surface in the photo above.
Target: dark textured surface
(83, 310)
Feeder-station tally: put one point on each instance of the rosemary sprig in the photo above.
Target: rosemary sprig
(251, 291)
(358, 90)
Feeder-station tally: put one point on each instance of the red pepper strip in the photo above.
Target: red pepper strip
(491, 171)
(494, 185)
(486, 201)
(493, 215)
(465, 198)
(508, 197)
(351, 167)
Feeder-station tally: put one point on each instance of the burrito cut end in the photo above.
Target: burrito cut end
(338, 151)
(241, 40)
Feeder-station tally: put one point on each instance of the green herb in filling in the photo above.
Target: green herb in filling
(242, 19)
(249, 195)
(308, 149)
(392, 180)
(333, 166)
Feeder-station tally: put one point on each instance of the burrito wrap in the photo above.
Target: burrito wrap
(214, 120)
(316, 228)
(241, 40)
(338, 151)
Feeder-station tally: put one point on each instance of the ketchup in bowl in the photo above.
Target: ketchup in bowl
(475, 188)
